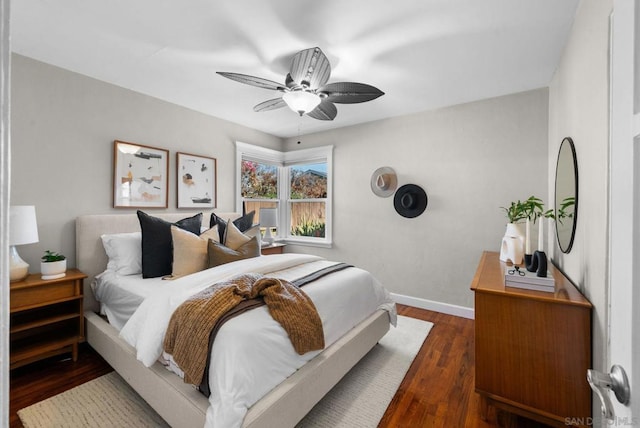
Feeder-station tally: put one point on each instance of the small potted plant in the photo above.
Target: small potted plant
(529, 209)
(513, 243)
(53, 265)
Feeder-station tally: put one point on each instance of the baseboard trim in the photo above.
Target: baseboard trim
(445, 308)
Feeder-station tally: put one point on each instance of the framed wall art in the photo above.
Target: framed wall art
(140, 176)
(197, 180)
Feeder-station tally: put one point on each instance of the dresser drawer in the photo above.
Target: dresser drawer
(42, 294)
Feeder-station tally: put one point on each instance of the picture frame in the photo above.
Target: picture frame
(140, 176)
(197, 181)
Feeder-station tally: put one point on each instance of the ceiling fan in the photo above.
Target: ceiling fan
(306, 90)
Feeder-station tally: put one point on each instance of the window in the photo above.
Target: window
(308, 199)
(297, 183)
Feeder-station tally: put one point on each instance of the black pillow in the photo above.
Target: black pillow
(157, 248)
(243, 223)
(222, 225)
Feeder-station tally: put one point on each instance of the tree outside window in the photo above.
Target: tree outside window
(258, 186)
(259, 181)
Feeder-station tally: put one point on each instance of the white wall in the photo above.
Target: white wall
(579, 108)
(471, 159)
(63, 127)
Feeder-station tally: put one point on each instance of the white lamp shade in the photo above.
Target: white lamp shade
(23, 228)
(301, 101)
(268, 217)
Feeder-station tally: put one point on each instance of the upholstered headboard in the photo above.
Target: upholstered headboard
(90, 255)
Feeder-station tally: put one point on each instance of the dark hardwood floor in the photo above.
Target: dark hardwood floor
(438, 390)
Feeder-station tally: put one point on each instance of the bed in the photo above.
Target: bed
(179, 403)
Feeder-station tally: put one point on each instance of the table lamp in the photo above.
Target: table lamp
(23, 229)
(268, 219)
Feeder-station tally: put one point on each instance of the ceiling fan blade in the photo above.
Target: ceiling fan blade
(270, 105)
(310, 66)
(253, 81)
(350, 92)
(326, 110)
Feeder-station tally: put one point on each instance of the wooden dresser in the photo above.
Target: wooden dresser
(532, 348)
(46, 317)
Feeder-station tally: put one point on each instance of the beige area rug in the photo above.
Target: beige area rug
(359, 400)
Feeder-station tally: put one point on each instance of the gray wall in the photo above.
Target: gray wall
(471, 159)
(579, 108)
(63, 127)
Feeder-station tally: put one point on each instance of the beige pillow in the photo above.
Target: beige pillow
(190, 250)
(220, 254)
(234, 239)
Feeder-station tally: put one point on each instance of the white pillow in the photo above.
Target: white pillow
(124, 251)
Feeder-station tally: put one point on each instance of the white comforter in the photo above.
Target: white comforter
(252, 353)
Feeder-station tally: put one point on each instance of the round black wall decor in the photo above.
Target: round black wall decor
(410, 200)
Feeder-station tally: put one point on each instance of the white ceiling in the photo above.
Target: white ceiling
(423, 54)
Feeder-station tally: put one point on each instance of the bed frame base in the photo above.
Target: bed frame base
(181, 405)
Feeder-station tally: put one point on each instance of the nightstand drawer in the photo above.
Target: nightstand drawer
(277, 248)
(45, 293)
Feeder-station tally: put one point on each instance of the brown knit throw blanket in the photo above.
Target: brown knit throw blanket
(188, 332)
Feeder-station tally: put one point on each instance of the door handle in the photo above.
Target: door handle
(616, 381)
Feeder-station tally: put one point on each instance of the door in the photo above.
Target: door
(5, 59)
(624, 208)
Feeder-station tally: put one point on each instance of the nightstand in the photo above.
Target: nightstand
(275, 248)
(46, 317)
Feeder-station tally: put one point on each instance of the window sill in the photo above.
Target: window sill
(307, 243)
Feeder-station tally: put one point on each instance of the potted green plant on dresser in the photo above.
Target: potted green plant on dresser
(53, 265)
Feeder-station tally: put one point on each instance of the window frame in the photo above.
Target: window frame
(284, 160)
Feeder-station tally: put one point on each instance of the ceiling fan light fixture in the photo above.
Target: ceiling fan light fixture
(306, 91)
(301, 101)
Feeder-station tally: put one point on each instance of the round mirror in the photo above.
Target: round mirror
(566, 209)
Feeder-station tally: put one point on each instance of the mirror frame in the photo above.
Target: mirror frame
(569, 143)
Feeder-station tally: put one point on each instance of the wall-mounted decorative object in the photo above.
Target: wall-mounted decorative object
(384, 181)
(566, 195)
(140, 176)
(410, 200)
(197, 181)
